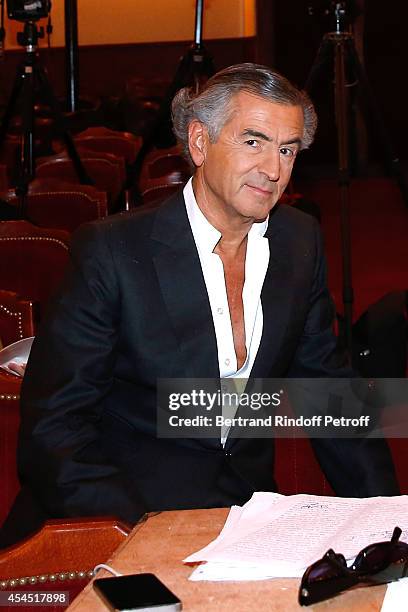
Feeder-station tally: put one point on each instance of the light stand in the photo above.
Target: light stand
(71, 54)
(193, 69)
(30, 78)
(340, 45)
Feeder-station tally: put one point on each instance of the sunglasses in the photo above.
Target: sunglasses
(376, 564)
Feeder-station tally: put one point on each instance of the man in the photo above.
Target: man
(215, 282)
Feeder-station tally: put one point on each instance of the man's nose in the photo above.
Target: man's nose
(270, 166)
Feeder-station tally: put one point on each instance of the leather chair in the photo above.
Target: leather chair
(122, 144)
(16, 322)
(159, 189)
(9, 157)
(163, 164)
(89, 112)
(58, 204)
(16, 318)
(9, 423)
(107, 171)
(140, 104)
(297, 469)
(61, 556)
(32, 260)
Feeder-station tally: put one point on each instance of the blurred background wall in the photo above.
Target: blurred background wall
(106, 22)
(143, 40)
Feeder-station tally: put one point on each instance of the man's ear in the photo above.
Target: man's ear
(197, 142)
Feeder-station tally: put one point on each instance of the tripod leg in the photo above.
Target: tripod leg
(27, 142)
(192, 70)
(10, 109)
(61, 124)
(27, 146)
(27, 166)
(392, 161)
(322, 59)
(341, 107)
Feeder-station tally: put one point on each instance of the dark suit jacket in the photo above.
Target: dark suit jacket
(134, 308)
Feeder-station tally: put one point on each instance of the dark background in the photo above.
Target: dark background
(288, 39)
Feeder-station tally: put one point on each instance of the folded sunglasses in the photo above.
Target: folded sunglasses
(376, 564)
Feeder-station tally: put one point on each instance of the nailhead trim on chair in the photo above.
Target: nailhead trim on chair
(13, 582)
(70, 193)
(15, 314)
(46, 238)
(9, 396)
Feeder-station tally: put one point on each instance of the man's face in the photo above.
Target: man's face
(243, 174)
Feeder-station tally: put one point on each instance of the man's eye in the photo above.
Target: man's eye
(252, 142)
(287, 152)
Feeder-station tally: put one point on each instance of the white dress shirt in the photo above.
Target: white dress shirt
(206, 238)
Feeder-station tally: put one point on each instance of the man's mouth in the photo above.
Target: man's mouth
(260, 190)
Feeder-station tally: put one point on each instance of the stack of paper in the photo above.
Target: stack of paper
(274, 535)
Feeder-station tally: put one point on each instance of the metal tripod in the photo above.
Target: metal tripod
(195, 66)
(339, 46)
(30, 78)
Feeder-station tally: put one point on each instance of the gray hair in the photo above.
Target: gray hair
(211, 105)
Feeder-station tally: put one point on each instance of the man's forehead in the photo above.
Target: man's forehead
(245, 106)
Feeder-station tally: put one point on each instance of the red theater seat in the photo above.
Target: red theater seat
(32, 260)
(58, 204)
(16, 322)
(60, 557)
(167, 164)
(122, 144)
(159, 189)
(107, 171)
(16, 318)
(9, 423)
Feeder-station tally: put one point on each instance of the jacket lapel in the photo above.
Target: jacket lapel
(183, 289)
(276, 297)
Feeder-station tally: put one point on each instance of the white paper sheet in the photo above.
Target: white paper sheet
(18, 352)
(279, 536)
(396, 597)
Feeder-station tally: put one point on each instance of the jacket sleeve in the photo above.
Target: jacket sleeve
(60, 455)
(355, 467)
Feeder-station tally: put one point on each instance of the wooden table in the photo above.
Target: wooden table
(159, 545)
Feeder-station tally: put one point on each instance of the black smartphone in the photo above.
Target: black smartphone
(136, 592)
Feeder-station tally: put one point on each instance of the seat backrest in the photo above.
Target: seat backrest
(9, 157)
(61, 556)
(32, 260)
(16, 318)
(16, 322)
(399, 452)
(106, 170)
(162, 163)
(296, 467)
(158, 190)
(9, 424)
(123, 144)
(58, 204)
